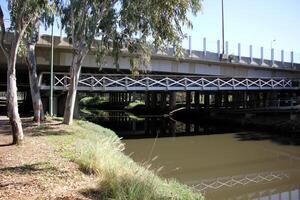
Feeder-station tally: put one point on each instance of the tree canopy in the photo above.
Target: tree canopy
(135, 24)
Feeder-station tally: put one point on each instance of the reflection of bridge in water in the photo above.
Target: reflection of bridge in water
(279, 192)
(129, 126)
(241, 180)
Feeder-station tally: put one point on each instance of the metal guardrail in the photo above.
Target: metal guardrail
(125, 82)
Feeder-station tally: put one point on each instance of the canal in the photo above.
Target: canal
(218, 160)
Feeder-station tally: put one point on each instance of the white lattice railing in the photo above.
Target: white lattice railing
(112, 82)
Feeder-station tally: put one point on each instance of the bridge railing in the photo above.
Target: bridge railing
(241, 53)
(126, 82)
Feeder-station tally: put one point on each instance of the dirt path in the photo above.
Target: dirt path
(35, 170)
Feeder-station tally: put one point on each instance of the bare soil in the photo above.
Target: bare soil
(36, 169)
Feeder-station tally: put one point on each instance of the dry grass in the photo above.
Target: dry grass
(99, 151)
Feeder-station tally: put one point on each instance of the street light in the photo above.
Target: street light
(223, 48)
(51, 71)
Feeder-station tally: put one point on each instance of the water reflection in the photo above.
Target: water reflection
(129, 126)
(218, 161)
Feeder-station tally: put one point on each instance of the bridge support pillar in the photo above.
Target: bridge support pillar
(245, 99)
(147, 99)
(218, 99)
(225, 100)
(59, 105)
(188, 100)
(206, 100)
(197, 100)
(163, 101)
(153, 100)
(172, 101)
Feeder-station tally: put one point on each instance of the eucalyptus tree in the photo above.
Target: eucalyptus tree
(30, 40)
(22, 14)
(135, 24)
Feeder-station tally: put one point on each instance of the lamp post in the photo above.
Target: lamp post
(223, 48)
(51, 71)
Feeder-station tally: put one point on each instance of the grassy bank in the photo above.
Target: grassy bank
(99, 151)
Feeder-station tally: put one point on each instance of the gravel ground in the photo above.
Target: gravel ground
(36, 170)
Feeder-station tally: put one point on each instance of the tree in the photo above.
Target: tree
(30, 43)
(132, 23)
(28, 53)
(22, 13)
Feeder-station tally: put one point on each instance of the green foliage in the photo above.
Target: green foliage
(132, 105)
(23, 12)
(92, 101)
(136, 24)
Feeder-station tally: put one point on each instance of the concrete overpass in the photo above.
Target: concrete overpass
(193, 62)
(200, 74)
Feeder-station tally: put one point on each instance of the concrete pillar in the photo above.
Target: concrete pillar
(147, 99)
(282, 57)
(234, 100)
(218, 99)
(239, 52)
(57, 110)
(190, 46)
(251, 54)
(60, 107)
(188, 100)
(206, 100)
(292, 59)
(225, 103)
(272, 57)
(226, 48)
(204, 46)
(153, 100)
(196, 99)
(245, 99)
(261, 55)
(172, 101)
(163, 101)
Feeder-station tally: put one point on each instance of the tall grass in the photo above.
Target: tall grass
(98, 150)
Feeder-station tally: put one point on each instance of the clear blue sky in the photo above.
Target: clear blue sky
(255, 22)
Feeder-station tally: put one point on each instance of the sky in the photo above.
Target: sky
(255, 22)
(264, 23)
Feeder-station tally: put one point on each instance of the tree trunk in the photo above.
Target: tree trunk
(12, 98)
(34, 87)
(71, 97)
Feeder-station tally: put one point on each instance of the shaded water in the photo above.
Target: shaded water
(220, 161)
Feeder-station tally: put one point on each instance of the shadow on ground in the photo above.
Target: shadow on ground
(45, 130)
(29, 168)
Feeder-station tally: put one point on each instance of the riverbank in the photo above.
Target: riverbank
(43, 167)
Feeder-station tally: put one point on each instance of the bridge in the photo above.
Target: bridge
(240, 80)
